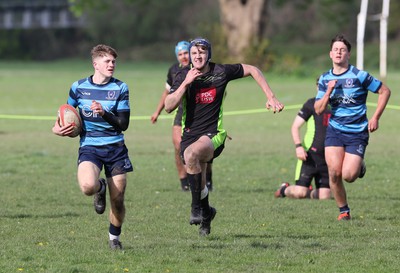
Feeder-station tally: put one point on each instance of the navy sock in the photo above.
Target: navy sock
(344, 209)
(116, 231)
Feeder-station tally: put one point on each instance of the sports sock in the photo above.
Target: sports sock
(283, 191)
(209, 176)
(204, 193)
(344, 209)
(114, 232)
(184, 181)
(102, 187)
(205, 205)
(195, 188)
(184, 184)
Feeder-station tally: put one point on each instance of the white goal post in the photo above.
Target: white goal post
(361, 21)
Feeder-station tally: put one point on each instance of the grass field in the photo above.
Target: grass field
(48, 225)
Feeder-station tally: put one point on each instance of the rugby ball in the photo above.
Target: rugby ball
(69, 115)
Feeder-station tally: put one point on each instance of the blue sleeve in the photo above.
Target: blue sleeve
(369, 82)
(72, 98)
(321, 89)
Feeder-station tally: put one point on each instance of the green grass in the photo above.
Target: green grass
(48, 225)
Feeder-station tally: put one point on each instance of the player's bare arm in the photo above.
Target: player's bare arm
(320, 105)
(384, 95)
(173, 100)
(160, 107)
(297, 124)
(272, 102)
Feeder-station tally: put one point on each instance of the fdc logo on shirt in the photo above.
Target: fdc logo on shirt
(206, 95)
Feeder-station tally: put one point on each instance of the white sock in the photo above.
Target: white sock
(102, 188)
(204, 193)
(113, 237)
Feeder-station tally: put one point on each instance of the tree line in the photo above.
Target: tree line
(148, 29)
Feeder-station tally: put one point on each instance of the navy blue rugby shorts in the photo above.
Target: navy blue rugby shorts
(114, 158)
(353, 143)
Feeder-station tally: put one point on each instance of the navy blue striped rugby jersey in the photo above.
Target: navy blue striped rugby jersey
(113, 96)
(348, 99)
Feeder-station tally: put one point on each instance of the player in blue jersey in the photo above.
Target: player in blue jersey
(345, 88)
(201, 89)
(103, 104)
(182, 55)
(310, 152)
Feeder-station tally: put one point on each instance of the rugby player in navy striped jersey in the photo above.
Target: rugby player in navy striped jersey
(103, 104)
(345, 89)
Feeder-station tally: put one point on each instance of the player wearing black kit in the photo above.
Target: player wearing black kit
(201, 90)
(310, 152)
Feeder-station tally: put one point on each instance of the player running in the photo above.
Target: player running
(345, 89)
(182, 55)
(201, 90)
(103, 104)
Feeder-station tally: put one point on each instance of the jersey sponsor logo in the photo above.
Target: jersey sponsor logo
(87, 112)
(206, 95)
(345, 99)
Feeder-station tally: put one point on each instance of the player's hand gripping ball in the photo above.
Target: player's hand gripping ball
(69, 115)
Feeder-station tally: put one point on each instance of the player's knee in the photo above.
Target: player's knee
(324, 194)
(87, 189)
(334, 176)
(298, 192)
(349, 178)
(191, 156)
(302, 194)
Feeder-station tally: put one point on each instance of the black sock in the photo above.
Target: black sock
(205, 205)
(195, 188)
(184, 184)
(209, 176)
(283, 191)
(184, 181)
